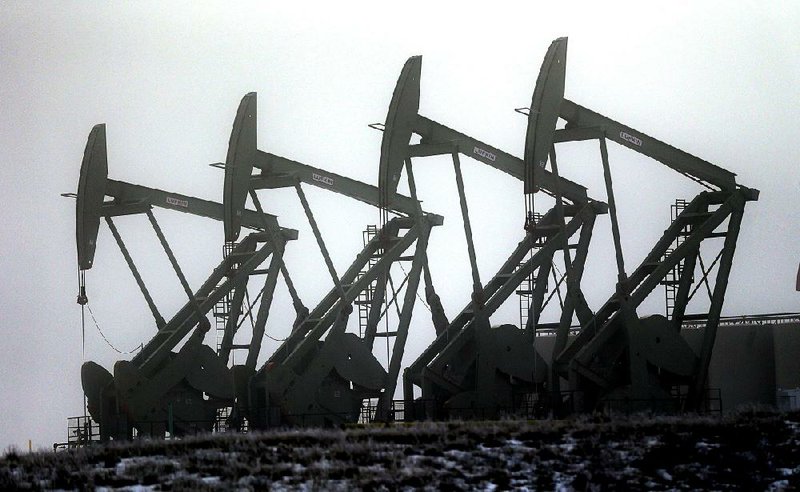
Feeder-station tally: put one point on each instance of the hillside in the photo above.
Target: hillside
(749, 450)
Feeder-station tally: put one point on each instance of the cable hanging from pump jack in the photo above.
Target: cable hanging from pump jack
(130, 352)
(250, 316)
(421, 299)
(83, 300)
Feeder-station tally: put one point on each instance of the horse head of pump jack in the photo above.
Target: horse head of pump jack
(91, 191)
(239, 164)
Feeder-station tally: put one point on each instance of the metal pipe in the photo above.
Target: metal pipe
(320, 242)
(170, 255)
(477, 287)
(296, 301)
(622, 277)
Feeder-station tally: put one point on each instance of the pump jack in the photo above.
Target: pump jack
(644, 363)
(307, 380)
(321, 373)
(472, 369)
(158, 384)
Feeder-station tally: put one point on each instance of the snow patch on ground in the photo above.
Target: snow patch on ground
(754, 452)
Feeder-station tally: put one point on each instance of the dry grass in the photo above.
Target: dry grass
(751, 450)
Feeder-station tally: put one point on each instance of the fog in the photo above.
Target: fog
(720, 80)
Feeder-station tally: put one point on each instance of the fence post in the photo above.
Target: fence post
(169, 422)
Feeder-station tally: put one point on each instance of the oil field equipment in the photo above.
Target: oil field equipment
(312, 381)
(322, 373)
(616, 359)
(308, 380)
(473, 369)
(158, 385)
(619, 359)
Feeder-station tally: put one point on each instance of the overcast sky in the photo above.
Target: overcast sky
(720, 80)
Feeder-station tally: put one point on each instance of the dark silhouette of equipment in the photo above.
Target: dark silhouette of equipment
(188, 386)
(322, 373)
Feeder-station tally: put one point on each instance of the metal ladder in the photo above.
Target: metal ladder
(221, 313)
(364, 300)
(672, 278)
(525, 292)
(222, 308)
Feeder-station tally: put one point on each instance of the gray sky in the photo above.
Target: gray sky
(719, 80)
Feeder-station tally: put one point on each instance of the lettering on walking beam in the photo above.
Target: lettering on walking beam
(177, 202)
(630, 138)
(322, 179)
(485, 154)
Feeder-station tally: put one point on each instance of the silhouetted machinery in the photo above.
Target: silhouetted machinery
(473, 369)
(618, 358)
(308, 380)
(158, 385)
(322, 373)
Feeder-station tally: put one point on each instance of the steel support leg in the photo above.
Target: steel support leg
(320, 242)
(622, 277)
(710, 334)
(438, 316)
(477, 287)
(299, 307)
(160, 322)
(575, 303)
(263, 309)
(385, 400)
(175, 266)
